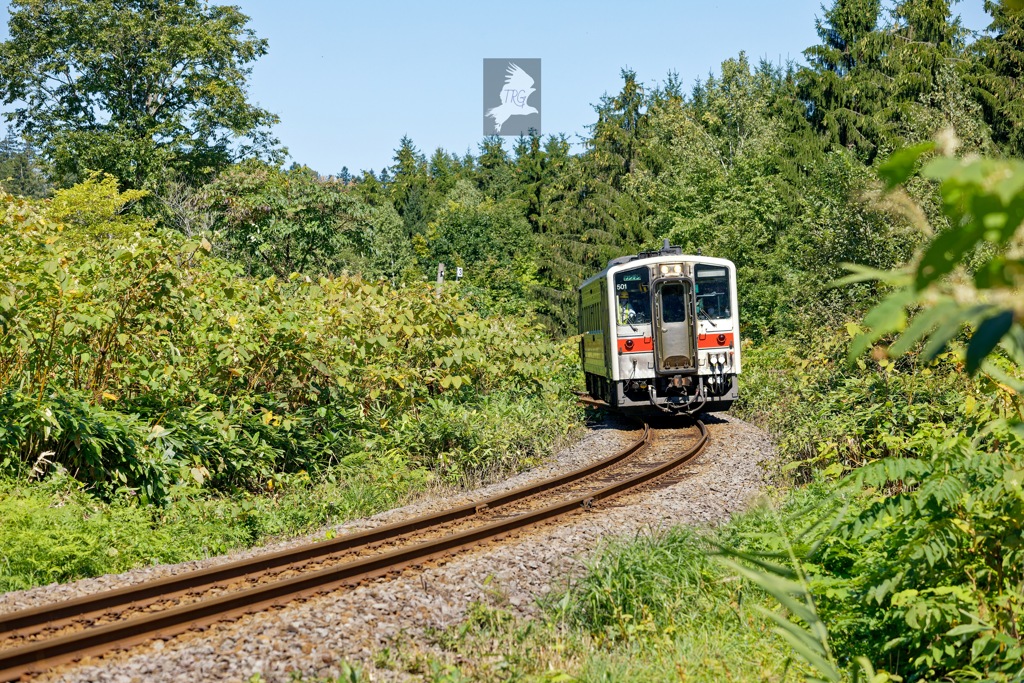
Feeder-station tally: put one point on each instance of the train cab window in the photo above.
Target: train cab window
(632, 296)
(673, 302)
(713, 296)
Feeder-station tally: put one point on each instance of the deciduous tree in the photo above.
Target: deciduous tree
(141, 89)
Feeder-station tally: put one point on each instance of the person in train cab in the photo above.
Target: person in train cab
(627, 314)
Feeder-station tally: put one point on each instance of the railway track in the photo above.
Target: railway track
(38, 639)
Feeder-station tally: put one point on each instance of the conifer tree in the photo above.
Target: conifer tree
(531, 160)
(443, 170)
(615, 136)
(494, 168)
(407, 186)
(997, 75)
(20, 170)
(920, 48)
(923, 37)
(842, 88)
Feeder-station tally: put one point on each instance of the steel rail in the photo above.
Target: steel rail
(43, 655)
(173, 586)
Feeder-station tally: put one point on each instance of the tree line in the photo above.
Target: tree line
(766, 164)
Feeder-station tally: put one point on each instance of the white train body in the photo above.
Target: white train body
(660, 330)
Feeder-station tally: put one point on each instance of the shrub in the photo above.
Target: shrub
(140, 361)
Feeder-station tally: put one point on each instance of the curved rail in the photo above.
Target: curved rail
(48, 615)
(42, 655)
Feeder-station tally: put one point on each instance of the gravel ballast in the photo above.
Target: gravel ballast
(313, 637)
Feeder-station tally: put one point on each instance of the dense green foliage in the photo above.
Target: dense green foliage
(912, 541)
(758, 163)
(142, 360)
(919, 571)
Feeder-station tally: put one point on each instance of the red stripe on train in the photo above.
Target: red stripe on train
(636, 345)
(712, 340)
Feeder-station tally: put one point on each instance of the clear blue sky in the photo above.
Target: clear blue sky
(349, 79)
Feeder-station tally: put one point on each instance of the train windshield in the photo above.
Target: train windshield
(632, 296)
(712, 285)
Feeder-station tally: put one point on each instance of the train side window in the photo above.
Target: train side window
(632, 297)
(713, 295)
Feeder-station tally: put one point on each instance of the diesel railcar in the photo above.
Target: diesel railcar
(660, 332)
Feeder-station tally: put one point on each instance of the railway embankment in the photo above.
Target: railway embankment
(319, 635)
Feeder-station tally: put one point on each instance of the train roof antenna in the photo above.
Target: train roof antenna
(665, 245)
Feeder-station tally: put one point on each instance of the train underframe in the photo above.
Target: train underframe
(675, 394)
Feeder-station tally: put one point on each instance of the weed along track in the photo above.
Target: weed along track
(35, 640)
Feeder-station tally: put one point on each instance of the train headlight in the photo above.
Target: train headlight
(721, 359)
(677, 269)
(664, 270)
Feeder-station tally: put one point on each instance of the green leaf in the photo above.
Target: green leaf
(782, 589)
(986, 337)
(967, 629)
(771, 567)
(941, 167)
(945, 252)
(999, 272)
(956, 319)
(859, 273)
(898, 168)
(998, 374)
(888, 316)
(804, 643)
(1013, 344)
(921, 324)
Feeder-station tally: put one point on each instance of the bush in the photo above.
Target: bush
(139, 362)
(826, 414)
(920, 571)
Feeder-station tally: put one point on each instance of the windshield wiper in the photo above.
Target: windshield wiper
(701, 311)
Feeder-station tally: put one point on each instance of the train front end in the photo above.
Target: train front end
(660, 332)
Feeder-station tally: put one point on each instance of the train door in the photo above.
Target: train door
(674, 337)
(607, 329)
